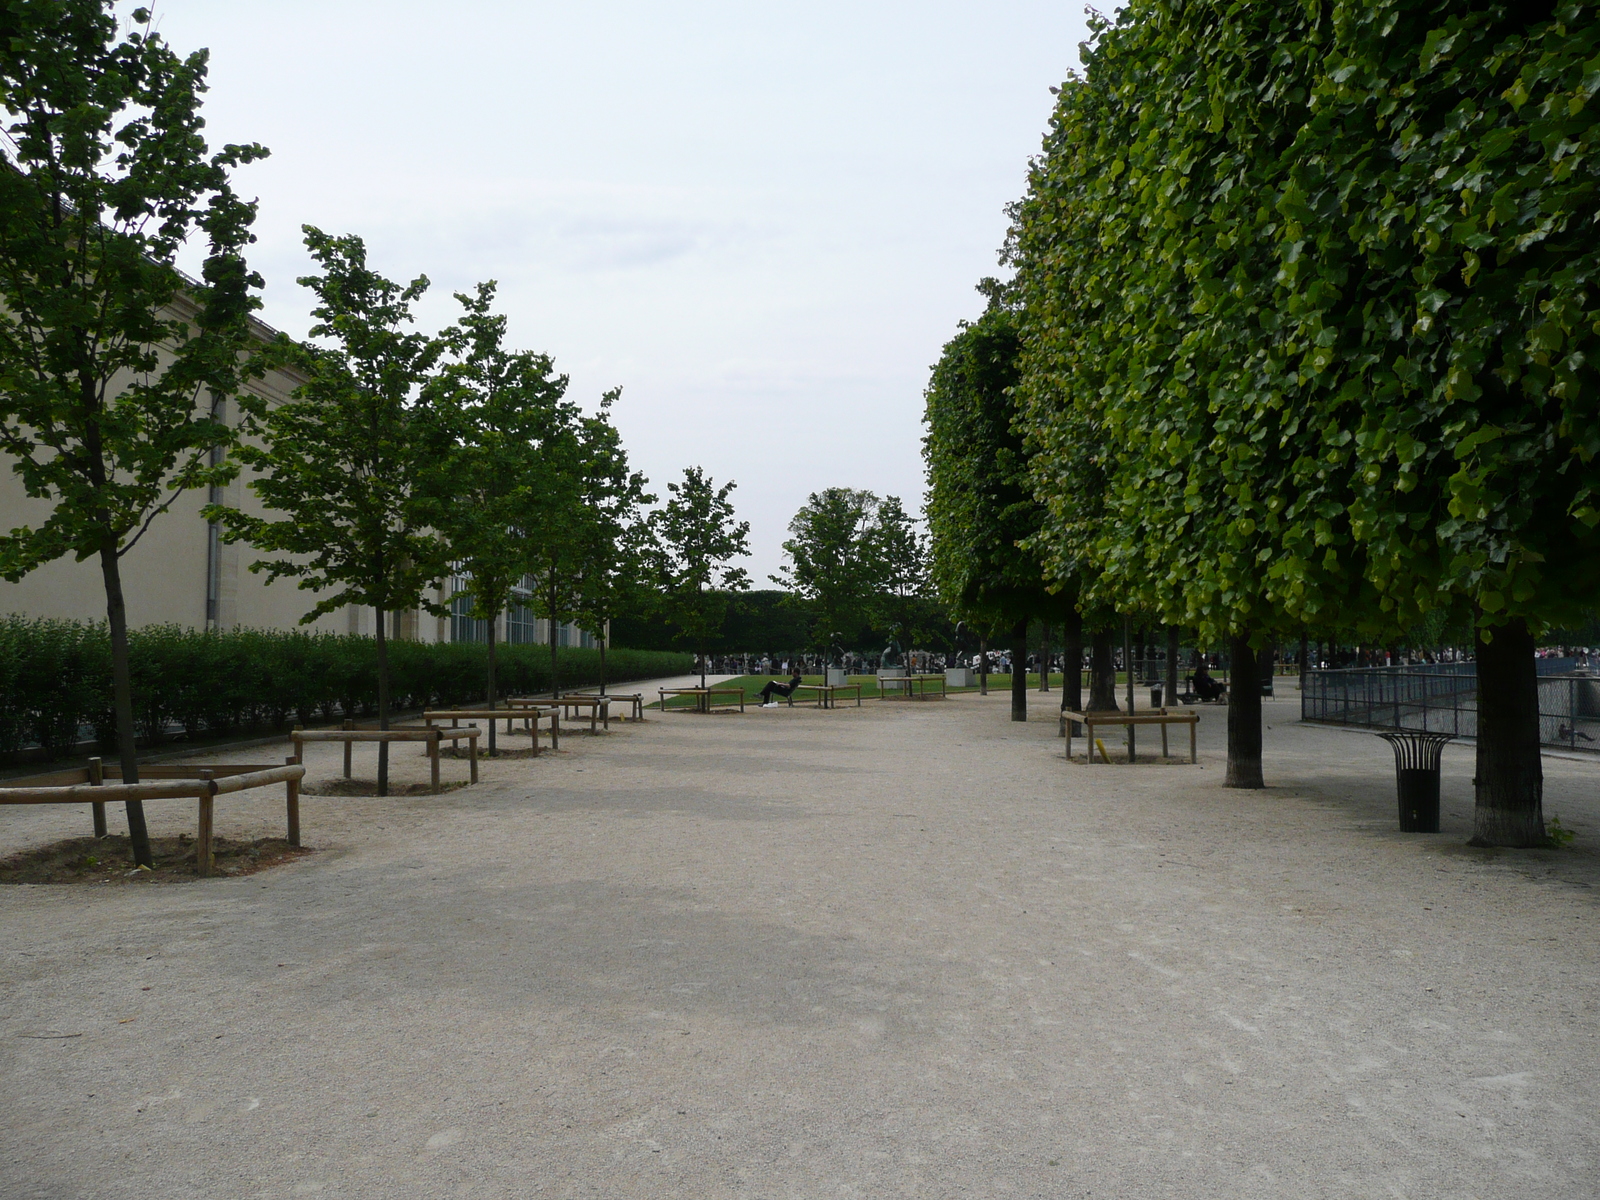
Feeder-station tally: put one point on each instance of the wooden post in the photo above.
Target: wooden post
(202, 836)
(97, 777)
(1163, 733)
(1194, 756)
(433, 753)
(555, 729)
(299, 746)
(348, 746)
(292, 801)
(533, 726)
(472, 753)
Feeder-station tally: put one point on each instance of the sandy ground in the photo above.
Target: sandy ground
(902, 950)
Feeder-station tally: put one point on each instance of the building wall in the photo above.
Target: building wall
(176, 573)
(180, 573)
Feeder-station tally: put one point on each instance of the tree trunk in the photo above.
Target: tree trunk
(383, 704)
(1510, 786)
(491, 684)
(1072, 663)
(1171, 696)
(1244, 715)
(1019, 670)
(122, 698)
(555, 664)
(1102, 674)
(605, 637)
(983, 666)
(1044, 658)
(1305, 662)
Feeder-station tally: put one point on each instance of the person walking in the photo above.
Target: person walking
(774, 688)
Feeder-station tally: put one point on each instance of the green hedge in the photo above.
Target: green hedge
(55, 679)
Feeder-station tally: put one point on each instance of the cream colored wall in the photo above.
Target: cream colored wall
(164, 575)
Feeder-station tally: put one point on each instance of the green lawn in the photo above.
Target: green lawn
(752, 685)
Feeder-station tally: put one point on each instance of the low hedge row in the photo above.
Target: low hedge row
(55, 679)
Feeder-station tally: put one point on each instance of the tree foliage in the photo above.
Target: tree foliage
(1307, 301)
(695, 538)
(982, 514)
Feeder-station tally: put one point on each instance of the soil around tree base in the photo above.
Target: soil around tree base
(110, 860)
(369, 787)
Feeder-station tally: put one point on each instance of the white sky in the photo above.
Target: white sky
(762, 220)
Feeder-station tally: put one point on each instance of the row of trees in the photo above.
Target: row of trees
(1300, 342)
(402, 459)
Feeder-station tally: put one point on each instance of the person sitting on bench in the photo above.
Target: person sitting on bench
(774, 688)
(1206, 687)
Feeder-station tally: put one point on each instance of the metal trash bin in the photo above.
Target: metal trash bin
(1416, 768)
(1155, 695)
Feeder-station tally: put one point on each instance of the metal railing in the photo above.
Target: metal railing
(1443, 698)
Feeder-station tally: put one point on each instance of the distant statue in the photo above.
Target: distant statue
(891, 654)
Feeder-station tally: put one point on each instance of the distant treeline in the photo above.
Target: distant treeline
(762, 622)
(55, 679)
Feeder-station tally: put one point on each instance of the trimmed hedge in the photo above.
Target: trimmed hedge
(55, 679)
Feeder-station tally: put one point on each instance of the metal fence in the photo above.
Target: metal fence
(1443, 698)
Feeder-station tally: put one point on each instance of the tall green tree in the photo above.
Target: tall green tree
(696, 537)
(615, 543)
(1321, 276)
(835, 567)
(983, 518)
(341, 467)
(901, 606)
(1439, 258)
(113, 365)
(492, 413)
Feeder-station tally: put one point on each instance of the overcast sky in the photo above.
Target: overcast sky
(761, 220)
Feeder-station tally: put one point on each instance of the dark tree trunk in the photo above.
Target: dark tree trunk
(1044, 658)
(604, 638)
(1072, 663)
(1244, 716)
(983, 666)
(122, 698)
(383, 703)
(491, 685)
(1510, 787)
(1019, 670)
(555, 664)
(1305, 662)
(1171, 691)
(1102, 673)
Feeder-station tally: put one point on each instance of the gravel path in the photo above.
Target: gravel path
(902, 950)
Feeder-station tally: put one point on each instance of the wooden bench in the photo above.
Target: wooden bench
(599, 708)
(202, 784)
(911, 687)
(529, 716)
(1160, 716)
(705, 698)
(827, 693)
(432, 736)
(634, 699)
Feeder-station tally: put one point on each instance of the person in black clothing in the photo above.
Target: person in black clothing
(774, 688)
(1206, 687)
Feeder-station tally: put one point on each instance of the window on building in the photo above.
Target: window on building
(464, 627)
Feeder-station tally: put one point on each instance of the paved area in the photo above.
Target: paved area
(902, 950)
